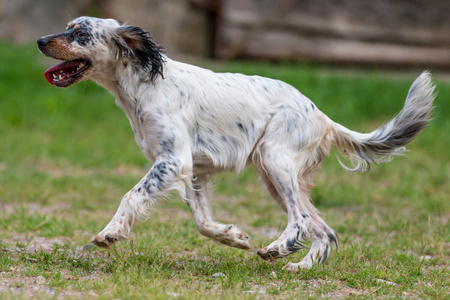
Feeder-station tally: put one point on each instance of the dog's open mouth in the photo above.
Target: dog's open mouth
(64, 73)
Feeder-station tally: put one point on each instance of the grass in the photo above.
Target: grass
(68, 156)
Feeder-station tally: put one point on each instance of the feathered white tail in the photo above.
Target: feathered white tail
(388, 140)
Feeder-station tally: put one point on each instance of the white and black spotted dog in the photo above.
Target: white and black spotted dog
(192, 122)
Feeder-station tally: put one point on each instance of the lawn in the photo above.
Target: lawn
(67, 156)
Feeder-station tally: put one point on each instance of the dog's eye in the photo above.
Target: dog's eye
(80, 33)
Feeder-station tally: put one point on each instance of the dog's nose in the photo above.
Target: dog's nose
(42, 42)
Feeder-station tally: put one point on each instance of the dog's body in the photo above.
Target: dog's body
(192, 122)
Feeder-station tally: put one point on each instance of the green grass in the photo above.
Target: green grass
(67, 156)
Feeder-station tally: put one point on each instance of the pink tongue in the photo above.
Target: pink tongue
(56, 69)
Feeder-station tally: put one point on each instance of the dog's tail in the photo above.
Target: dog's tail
(389, 139)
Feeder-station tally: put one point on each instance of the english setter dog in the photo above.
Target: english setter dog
(192, 123)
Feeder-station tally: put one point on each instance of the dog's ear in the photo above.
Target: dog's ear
(132, 41)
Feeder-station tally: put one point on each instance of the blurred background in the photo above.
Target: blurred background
(382, 32)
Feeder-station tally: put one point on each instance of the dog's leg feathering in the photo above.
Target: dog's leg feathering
(323, 238)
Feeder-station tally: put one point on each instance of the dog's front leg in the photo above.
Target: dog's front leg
(165, 175)
(231, 235)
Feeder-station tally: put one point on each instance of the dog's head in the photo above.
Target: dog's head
(93, 47)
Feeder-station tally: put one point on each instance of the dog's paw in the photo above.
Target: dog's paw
(294, 267)
(270, 253)
(104, 240)
(236, 237)
(275, 251)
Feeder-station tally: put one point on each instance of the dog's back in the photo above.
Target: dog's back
(229, 114)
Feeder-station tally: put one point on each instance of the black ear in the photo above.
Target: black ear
(131, 41)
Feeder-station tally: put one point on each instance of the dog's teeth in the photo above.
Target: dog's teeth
(60, 77)
(54, 76)
(81, 65)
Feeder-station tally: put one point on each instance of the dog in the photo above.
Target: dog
(191, 123)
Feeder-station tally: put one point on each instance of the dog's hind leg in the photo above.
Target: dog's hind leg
(277, 166)
(292, 192)
(323, 237)
(271, 189)
(229, 234)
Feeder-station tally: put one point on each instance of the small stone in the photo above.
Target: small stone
(407, 252)
(40, 280)
(425, 258)
(386, 282)
(176, 295)
(218, 275)
(88, 247)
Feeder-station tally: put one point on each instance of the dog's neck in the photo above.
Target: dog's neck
(126, 88)
(121, 88)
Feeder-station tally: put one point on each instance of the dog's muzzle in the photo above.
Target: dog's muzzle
(42, 43)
